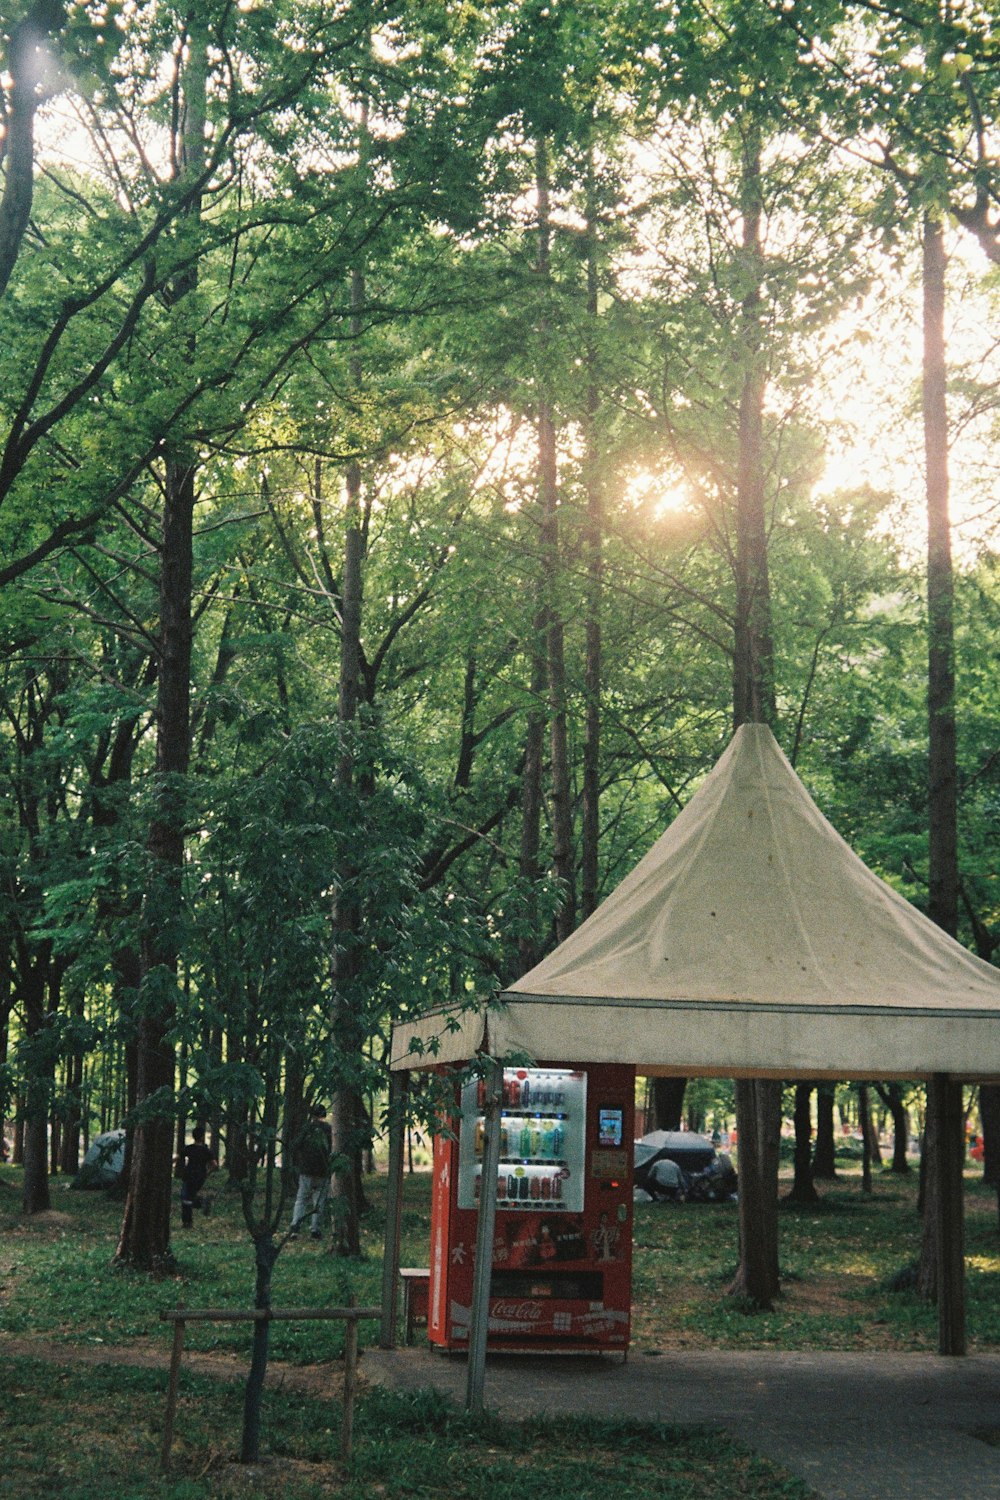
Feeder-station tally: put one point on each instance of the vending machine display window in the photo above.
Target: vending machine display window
(542, 1140)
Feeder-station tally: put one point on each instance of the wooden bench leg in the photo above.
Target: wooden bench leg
(407, 1313)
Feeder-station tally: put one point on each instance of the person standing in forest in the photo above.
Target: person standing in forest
(193, 1166)
(311, 1158)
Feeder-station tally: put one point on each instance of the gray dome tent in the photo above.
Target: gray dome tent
(103, 1162)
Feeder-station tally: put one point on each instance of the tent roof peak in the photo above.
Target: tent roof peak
(752, 937)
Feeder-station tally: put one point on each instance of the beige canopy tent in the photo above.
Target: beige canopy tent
(750, 940)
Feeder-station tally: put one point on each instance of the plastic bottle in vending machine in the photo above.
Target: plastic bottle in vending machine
(524, 1188)
(558, 1135)
(515, 1094)
(525, 1139)
(546, 1187)
(536, 1185)
(557, 1186)
(536, 1136)
(526, 1092)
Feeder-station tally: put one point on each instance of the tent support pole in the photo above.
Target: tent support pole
(399, 1087)
(485, 1227)
(950, 1229)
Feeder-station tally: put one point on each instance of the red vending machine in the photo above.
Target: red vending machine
(562, 1251)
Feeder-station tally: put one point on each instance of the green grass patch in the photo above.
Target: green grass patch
(94, 1434)
(837, 1258)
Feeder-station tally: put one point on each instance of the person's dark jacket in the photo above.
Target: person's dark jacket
(313, 1149)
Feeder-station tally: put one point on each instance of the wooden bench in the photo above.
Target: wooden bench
(416, 1284)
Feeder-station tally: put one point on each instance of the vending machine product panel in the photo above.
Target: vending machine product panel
(562, 1251)
(542, 1140)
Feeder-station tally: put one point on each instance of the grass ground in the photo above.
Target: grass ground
(95, 1434)
(80, 1431)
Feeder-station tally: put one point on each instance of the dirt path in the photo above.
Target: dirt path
(323, 1380)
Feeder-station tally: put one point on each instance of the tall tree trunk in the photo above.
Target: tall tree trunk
(824, 1153)
(346, 1104)
(989, 1119)
(69, 1155)
(563, 863)
(892, 1097)
(594, 547)
(753, 674)
(38, 1087)
(144, 1240)
(529, 867)
(864, 1112)
(942, 906)
(758, 1102)
(668, 1102)
(803, 1187)
(23, 96)
(145, 1233)
(758, 1114)
(869, 1133)
(942, 807)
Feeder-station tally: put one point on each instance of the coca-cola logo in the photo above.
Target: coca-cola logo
(530, 1311)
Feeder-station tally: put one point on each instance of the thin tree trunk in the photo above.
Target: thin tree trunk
(864, 1110)
(265, 1256)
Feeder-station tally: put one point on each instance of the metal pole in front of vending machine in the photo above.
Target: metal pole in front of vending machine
(485, 1227)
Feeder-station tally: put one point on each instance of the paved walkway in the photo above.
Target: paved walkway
(853, 1426)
